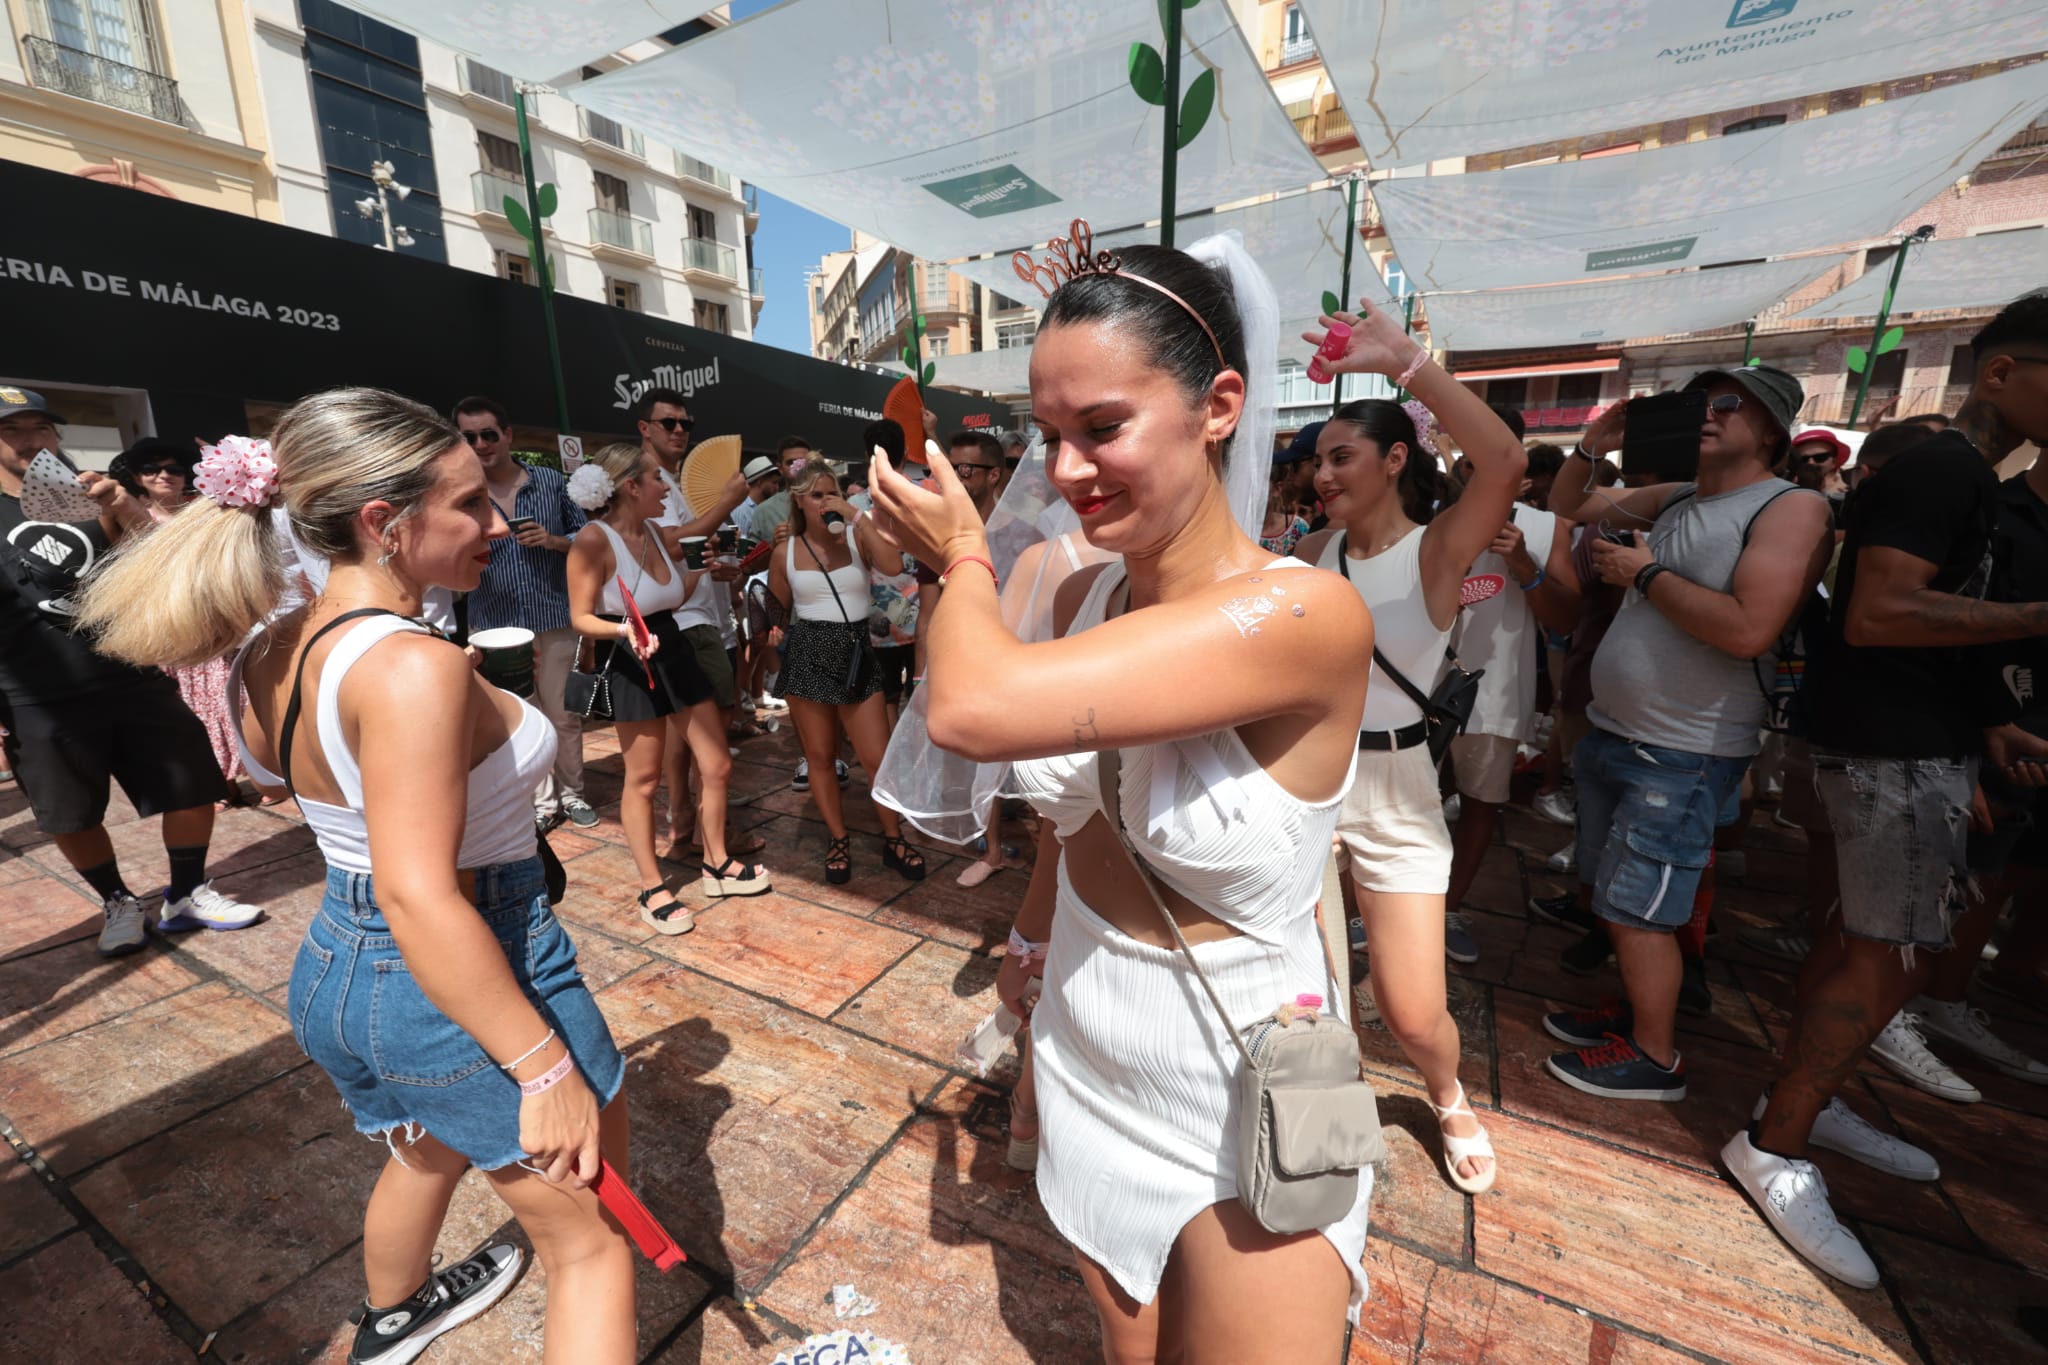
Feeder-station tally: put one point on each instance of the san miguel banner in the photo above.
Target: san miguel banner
(103, 285)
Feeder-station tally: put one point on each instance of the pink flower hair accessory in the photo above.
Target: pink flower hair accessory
(238, 471)
(1425, 425)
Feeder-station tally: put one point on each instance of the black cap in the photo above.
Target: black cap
(1302, 447)
(25, 400)
(1779, 392)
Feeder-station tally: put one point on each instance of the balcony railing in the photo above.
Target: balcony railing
(690, 168)
(753, 198)
(754, 281)
(1297, 50)
(598, 128)
(489, 190)
(622, 230)
(714, 257)
(83, 75)
(487, 82)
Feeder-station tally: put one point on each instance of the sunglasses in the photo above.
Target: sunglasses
(491, 434)
(991, 468)
(1816, 457)
(673, 423)
(147, 470)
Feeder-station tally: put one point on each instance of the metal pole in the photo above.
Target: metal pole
(1344, 290)
(916, 333)
(544, 275)
(1748, 341)
(1170, 155)
(384, 215)
(1884, 313)
(1407, 329)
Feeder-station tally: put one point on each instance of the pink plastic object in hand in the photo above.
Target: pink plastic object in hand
(645, 1230)
(1333, 346)
(1309, 1001)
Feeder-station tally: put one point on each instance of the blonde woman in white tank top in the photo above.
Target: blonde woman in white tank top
(1407, 555)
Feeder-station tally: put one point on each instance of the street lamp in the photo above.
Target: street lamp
(385, 177)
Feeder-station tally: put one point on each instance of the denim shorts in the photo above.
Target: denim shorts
(400, 1064)
(1901, 829)
(1646, 825)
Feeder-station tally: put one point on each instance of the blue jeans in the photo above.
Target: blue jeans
(1646, 825)
(402, 1065)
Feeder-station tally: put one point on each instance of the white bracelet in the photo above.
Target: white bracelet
(507, 1066)
(1023, 947)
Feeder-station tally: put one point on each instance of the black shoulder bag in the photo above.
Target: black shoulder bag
(1448, 709)
(553, 874)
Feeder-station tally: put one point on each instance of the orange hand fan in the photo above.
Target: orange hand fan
(709, 468)
(905, 407)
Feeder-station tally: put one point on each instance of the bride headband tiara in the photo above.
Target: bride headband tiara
(1074, 256)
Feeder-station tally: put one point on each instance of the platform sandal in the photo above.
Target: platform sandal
(1457, 1149)
(735, 878)
(903, 859)
(1023, 1153)
(839, 861)
(673, 918)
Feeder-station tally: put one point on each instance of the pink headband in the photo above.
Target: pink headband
(1064, 265)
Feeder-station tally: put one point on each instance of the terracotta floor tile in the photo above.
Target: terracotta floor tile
(55, 993)
(603, 960)
(786, 949)
(29, 1213)
(1411, 1199)
(929, 1002)
(85, 1096)
(68, 1303)
(1994, 1165)
(14, 867)
(1498, 887)
(1679, 1255)
(728, 1334)
(1962, 1304)
(602, 887)
(267, 1221)
(859, 810)
(796, 855)
(748, 1117)
(954, 1248)
(41, 911)
(977, 919)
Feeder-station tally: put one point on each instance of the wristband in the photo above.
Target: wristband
(1402, 380)
(1535, 582)
(516, 1061)
(549, 1079)
(1646, 576)
(1023, 947)
(970, 559)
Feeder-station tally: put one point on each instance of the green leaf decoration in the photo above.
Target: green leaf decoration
(1194, 110)
(930, 368)
(909, 358)
(1856, 358)
(1148, 74)
(1889, 342)
(1752, 362)
(546, 197)
(921, 323)
(515, 213)
(1331, 303)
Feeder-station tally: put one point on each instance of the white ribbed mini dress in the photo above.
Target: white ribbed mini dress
(1135, 1075)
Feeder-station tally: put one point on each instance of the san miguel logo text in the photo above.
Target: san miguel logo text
(685, 380)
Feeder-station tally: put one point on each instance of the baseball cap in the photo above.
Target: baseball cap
(1779, 392)
(758, 467)
(1302, 447)
(25, 400)
(1840, 446)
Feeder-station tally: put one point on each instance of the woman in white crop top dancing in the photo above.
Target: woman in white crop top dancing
(1407, 556)
(434, 985)
(1232, 684)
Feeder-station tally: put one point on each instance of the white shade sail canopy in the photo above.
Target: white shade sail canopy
(953, 129)
(1797, 187)
(1006, 371)
(1426, 79)
(1960, 272)
(1616, 310)
(537, 39)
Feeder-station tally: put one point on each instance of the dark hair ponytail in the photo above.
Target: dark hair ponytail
(1423, 488)
(1178, 343)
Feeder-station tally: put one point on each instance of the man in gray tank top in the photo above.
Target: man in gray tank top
(1714, 572)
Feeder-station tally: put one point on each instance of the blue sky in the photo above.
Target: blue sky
(787, 248)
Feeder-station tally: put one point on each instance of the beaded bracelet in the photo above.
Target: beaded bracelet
(548, 1079)
(508, 1066)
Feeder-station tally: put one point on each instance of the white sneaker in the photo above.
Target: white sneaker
(1954, 1021)
(1366, 1010)
(1840, 1129)
(206, 908)
(1556, 807)
(1903, 1051)
(1793, 1199)
(1565, 859)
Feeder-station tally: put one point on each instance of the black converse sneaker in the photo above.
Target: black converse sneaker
(449, 1298)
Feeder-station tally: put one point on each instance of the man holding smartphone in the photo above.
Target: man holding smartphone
(527, 584)
(1714, 569)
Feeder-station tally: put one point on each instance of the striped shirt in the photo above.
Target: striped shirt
(522, 585)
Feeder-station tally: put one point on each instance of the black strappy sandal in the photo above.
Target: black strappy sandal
(907, 861)
(673, 918)
(734, 877)
(839, 851)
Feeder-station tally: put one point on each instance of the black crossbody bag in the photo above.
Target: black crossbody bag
(1448, 709)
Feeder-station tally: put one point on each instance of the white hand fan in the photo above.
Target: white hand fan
(50, 492)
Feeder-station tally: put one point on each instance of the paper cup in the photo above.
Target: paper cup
(693, 552)
(507, 658)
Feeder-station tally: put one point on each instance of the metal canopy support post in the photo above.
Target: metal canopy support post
(1748, 342)
(1884, 312)
(1344, 290)
(1407, 329)
(1170, 154)
(543, 274)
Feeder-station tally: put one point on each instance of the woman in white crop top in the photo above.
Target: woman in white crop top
(1407, 554)
(654, 684)
(1231, 683)
(434, 985)
(831, 676)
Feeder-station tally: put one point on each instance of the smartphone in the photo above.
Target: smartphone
(519, 524)
(1662, 438)
(1617, 537)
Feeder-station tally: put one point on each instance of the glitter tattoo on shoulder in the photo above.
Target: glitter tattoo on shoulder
(1246, 612)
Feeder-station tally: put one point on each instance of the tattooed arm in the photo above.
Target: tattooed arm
(1893, 605)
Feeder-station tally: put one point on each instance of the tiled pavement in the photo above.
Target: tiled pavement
(181, 1176)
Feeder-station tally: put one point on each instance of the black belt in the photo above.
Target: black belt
(1407, 737)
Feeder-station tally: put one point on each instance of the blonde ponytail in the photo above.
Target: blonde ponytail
(192, 589)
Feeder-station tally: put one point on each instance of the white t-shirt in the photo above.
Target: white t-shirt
(1500, 634)
(708, 603)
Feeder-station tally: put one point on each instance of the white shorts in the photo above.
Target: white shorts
(1392, 826)
(1485, 766)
